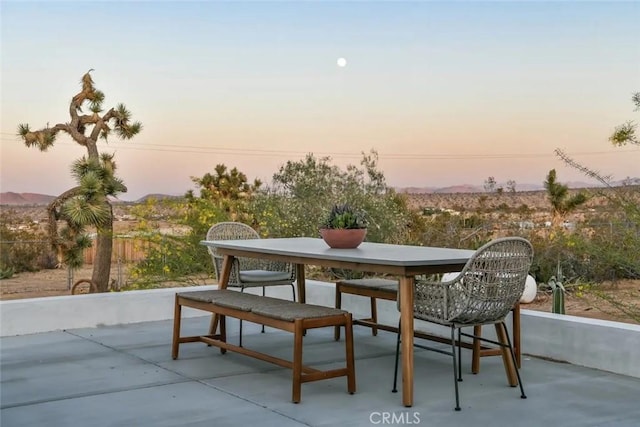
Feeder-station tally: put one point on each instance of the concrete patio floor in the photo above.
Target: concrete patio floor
(124, 376)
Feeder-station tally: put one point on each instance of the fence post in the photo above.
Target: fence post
(69, 278)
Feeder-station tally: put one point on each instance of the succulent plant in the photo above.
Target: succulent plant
(345, 216)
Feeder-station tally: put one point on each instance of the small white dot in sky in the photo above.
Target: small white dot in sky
(342, 62)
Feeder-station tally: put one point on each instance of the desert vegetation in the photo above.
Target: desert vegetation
(594, 242)
(588, 237)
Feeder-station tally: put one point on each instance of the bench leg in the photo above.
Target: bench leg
(177, 313)
(213, 326)
(223, 332)
(336, 330)
(351, 370)
(297, 361)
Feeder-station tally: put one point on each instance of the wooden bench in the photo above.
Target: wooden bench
(280, 314)
(378, 288)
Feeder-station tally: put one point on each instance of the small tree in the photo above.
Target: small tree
(88, 203)
(490, 184)
(226, 188)
(626, 133)
(561, 202)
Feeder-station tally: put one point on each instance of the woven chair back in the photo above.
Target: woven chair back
(488, 287)
(232, 231)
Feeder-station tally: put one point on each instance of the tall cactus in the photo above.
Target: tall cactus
(557, 291)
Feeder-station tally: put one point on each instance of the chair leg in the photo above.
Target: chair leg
(459, 354)
(374, 317)
(293, 290)
(513, 356)
(240, 341)
(455, 368)
(336, 330)
(263, 294)
(395, 371)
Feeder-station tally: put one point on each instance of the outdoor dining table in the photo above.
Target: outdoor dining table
(401, 261)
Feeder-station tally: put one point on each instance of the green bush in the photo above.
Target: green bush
(23, 244)
(178, 257)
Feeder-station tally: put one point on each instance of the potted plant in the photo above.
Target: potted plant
(345, 227)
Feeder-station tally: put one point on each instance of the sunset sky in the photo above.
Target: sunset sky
(446, 92)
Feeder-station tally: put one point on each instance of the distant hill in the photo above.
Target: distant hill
(10, 198)
(464, 188)
(157, 197)
(15, 199)
(25, 199)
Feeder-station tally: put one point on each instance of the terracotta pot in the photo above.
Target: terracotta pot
(343, 238)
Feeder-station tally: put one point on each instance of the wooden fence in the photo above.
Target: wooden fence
(125, 250)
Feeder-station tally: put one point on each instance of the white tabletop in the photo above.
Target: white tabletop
(368, 253)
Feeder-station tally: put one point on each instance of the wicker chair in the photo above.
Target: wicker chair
(249, 272)
(486, 290)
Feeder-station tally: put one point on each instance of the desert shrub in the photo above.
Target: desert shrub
(553, 250)
(175, 257)
(457, 231)
(23, 244)
(6, 272)
(609, 250)
(303, 192)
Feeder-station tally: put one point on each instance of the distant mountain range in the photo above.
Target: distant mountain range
(17, 199)
(23, 199)
(10, 198)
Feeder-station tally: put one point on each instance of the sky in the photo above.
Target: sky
(447, 93)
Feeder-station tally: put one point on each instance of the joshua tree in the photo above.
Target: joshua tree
(224, 184)
(490, 184)
(87, 204)
(559, 198)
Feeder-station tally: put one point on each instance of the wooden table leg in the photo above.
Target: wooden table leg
(477, 351)
(300, 282)
(406, 324)
(223, 280)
